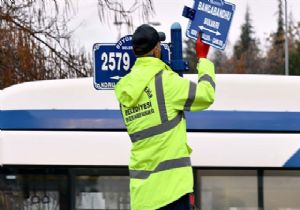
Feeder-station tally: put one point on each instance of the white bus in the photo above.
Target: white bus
(63, 146)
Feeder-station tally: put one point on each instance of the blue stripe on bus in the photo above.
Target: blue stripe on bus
(294, 161)
(112, 119)
(61, 119)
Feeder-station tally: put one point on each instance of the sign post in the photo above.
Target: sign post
(113, 61)
(211, 18)
(177, 63)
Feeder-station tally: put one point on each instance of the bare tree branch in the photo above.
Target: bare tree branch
(35, 42)
(115, 10)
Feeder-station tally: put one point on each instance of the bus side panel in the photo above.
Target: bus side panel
(113, 149)
(65, 148)
(243, 149)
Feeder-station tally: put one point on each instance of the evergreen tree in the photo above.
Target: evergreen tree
(275, 55)
(189, 55)
(246, 38)
(246, 52)
(294, 48)
(294, 61)
(223, 65)
(279, 35)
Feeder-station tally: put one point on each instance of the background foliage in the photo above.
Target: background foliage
(36, 44)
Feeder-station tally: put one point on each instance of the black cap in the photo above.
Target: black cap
(145, 38)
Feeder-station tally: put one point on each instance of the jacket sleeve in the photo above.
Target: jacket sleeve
(186, 95)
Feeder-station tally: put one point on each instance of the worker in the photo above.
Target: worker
(152, 100)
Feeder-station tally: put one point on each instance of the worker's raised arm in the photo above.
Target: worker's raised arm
(193, 96)
(205, 87)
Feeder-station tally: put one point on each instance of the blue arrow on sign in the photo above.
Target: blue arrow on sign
(113, 61)
(212, 18)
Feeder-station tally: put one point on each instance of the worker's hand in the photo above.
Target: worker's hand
(201, 48)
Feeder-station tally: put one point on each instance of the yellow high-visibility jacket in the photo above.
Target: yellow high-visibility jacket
(152, 99)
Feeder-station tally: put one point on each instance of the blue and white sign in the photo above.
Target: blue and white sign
(213, 19)
(114, 61)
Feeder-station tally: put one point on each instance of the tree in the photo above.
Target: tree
(294, 48)
(223, 64)
(294, 61)
(246, 52)
(115, 10)
(219, 58)
(246, 38)
(36, 42)
(275, 55)
(279, 35)
(189, 54)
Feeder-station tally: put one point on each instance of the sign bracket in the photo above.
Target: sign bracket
(188, 13)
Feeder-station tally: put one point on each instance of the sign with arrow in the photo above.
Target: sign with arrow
(211, 18)
(114, 61)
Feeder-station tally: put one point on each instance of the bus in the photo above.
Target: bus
(64, 146)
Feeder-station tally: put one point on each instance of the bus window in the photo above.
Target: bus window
(102, 192)
(227, 189)
(281, 190)
(32, 192)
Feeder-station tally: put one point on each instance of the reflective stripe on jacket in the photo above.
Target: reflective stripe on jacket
(153, 99)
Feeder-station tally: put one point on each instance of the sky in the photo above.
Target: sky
(89, 29)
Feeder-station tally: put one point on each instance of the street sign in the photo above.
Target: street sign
(113, 61)
(212, 18)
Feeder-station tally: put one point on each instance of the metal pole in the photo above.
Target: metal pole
(286, 41)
